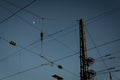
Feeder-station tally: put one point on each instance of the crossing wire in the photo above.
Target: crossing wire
(88, 49)
(104, 44)
(100, 45)
(46, 34)
(108, 12)
(33, 43)
(29, 45)
(18, 11)
(86, 21)
(97, 49)
(57, 19)
(43, 57)
(20, 72)
(41, 17)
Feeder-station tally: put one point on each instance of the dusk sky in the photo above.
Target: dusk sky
(22, 21)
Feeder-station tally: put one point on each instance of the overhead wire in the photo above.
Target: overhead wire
(107, 71)
(43, 57)
(46, 34)
(41, 17)
(93, 19)
(76, 53)
(62, 44)
(22, 49)
(26, 70)
(36, 29)
(97, 48)
(105, 57)
(110, 69)
(110, 58)
(23, 71)
(65, 57)
(16, 52)
(31, 44)
(71, 55)
(116, 77)
(100, 46)
(88, 20)
(42, 37)
(17, 11)
(104, 44)
(20, 17)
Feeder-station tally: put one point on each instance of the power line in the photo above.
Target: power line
(92, 19)
(43, 57)
(67, 28)
(104, 44)
(68, 55)
(65, 57)
(76, 53)
(29, 45)
(46, 34)
(106, 71)
(88, 50)
(18, 51)
(63, 44)
(71, 55)
(41, 17)
(116, 77)
(33, 43)
(20, 72)
(97, 49)
(18, 11)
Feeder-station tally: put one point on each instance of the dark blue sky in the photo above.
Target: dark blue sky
(23, 24)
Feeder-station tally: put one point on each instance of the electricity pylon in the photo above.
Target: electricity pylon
(85, 61)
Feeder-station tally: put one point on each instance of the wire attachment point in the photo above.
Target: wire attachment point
(12, 43)
(41, 35)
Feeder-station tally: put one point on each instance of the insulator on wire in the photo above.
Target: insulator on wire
(91, 74)
(57, 77)
(12, 43)
(41, 35)
(90, 61)
(60, 67)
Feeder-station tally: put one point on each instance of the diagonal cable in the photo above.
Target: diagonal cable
(18, 11)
